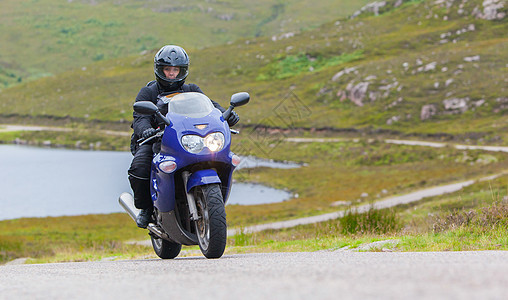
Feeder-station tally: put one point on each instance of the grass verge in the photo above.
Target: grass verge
(474, 220)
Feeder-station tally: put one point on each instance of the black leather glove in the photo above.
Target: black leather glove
(233, 118)
(148, 133)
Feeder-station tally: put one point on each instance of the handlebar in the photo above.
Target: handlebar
(143, 141)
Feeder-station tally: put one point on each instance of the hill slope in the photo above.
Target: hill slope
(418, 67)
(45, 37)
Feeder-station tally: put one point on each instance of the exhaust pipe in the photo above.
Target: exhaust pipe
(127, 202)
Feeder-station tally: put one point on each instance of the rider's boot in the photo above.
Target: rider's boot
(142, 200)
(144, 217)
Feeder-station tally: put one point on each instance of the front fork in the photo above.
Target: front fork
(190, 197)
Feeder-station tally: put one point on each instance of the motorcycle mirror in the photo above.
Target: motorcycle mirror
(240, 99)
(145, 108)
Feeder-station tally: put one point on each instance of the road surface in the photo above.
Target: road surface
(307, 275)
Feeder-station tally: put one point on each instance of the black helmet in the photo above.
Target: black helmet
(171, 55)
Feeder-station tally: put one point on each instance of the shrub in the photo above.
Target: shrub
(486, 218)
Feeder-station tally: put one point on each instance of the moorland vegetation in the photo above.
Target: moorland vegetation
(420, 69)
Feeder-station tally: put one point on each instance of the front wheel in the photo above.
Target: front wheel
(165, 249)
(211, 226)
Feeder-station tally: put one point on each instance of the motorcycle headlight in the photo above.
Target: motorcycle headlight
(192, 143)
(214, 141)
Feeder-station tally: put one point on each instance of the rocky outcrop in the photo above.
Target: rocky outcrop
(357, 92)
(371, 7)
(338, 75)
(472, 58)
(492, 10)
(428, 111)
(455, 105)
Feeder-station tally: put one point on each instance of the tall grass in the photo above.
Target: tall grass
(373, 221)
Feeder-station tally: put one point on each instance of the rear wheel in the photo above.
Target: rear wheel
(165, 249)
(211, 226)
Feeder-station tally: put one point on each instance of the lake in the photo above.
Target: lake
(41, 182)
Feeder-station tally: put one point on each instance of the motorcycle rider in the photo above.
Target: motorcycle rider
(171, 67)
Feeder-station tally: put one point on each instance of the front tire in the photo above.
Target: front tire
(211, 226)
(165, 249)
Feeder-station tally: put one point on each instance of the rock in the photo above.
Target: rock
(447, 3)
(357, 93)
(323, 91)
(490, 10)
(448, 82)
(479, 103)
(394, 103)
(343, 72)
(379, 245)
(472, 58)
(456, 105)
(392, 120)
(445, 35)
(428, 111)
(286, 35)
(340, 203)
(428, 67)
(342, 95)
(371, 7)
(398, 3)
(374, 7)
(226, 17)
(373, 96)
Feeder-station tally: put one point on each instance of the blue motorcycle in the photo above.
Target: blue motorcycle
(191, 176)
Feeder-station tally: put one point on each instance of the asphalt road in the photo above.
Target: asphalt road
(317, 275)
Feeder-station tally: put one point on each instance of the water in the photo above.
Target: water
(254, 162)
(41, 182)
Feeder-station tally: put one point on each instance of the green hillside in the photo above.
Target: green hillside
(419, 67)
(45, 37)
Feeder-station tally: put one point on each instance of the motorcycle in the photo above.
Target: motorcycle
(191, 176)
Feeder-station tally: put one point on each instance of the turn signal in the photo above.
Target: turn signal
(235, 160)
(167, 166)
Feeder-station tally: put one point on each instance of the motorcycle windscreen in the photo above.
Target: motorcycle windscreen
(193, 105)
